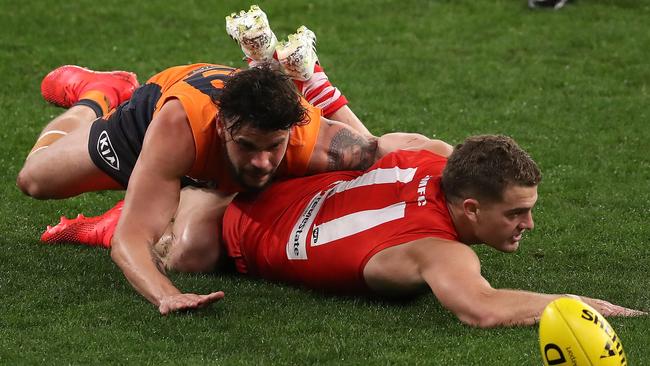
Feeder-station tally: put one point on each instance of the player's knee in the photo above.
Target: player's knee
(193, 255)
(480, 316)
(194, 263)
(31, 186)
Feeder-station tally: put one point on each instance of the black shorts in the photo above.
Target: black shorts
(115, 141)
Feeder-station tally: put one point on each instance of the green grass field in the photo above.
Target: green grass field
(572, 87)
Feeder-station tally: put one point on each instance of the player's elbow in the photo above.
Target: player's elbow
(118, 252)
(479, 319)
(116, 255)
(478, 311)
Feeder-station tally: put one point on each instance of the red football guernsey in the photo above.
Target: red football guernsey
(320, 231)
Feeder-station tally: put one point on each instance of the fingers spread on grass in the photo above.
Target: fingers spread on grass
(632, 312)
(210, 298)
(608, 309)
(181, 302)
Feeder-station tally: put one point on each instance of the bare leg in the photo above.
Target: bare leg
(59, 165)
(70, 120)
(192, 243)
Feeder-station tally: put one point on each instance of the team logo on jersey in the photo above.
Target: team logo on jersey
(106, 151)
(297, 244)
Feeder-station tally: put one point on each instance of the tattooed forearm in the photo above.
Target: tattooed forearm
(351, 151)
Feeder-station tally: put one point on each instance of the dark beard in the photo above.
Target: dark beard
(248, 188)
(237, 176)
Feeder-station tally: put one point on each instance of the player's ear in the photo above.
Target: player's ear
(220, 126)
(470, 209)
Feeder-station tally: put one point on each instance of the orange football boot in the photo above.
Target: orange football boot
(64, 85)
(92, 231)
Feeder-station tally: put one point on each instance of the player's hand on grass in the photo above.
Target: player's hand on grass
(608, 309)
(180, 302)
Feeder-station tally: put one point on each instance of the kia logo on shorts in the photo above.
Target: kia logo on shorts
(106, 151)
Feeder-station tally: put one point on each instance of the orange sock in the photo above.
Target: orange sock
(100, 100)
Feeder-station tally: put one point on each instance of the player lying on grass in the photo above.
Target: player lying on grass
(403, 225)
(201, 125)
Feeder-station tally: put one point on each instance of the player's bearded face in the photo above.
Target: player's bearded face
(254, 155)
(501, 225)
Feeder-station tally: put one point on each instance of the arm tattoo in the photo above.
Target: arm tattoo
(351, 151)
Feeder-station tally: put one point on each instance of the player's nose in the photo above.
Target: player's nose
(527, 222)
(262, 161)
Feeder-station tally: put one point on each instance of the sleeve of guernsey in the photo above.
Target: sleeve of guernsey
(301, 143)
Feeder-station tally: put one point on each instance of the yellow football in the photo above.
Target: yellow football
(573, 333)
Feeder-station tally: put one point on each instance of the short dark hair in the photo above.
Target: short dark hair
(261, 97)
(483, 166)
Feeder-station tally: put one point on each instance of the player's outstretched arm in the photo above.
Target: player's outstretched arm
(345, 115)
(151, 201)
(608, 309)
(411, 141)
(453, 272)
(340, 147)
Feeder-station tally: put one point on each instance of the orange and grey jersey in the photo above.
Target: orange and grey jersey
(115, 145)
